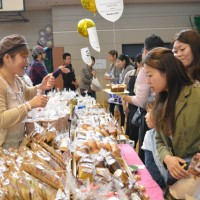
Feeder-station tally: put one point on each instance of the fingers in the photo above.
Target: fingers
(44, 100)
(179, 172)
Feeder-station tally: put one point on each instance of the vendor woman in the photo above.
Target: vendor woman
(17, 99)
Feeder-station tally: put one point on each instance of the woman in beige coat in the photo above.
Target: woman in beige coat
(17, 99)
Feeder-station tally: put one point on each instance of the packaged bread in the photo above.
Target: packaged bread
(23, 187)
(115, 149)
(104, 173)
(86, 127)
(78, 155)
(52, 151)
(50, 135)
(104, 132)
(92, 144)
(120, 174)
(85, 172)
(111, 163)
(44, 190)
(35, 147)
(83, 148)
(40, 171)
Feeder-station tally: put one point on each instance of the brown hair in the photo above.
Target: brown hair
(192, 38)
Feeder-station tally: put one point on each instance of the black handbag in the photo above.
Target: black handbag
(137, 117)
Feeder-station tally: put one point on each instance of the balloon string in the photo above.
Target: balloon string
(114, 36)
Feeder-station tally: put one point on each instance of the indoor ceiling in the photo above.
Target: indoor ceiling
(47, 4)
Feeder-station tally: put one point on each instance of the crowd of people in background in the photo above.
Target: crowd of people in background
(163, 85)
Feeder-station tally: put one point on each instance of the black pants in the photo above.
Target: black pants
(120, 107)
(132, 130)
(92, 94)
(143, 128)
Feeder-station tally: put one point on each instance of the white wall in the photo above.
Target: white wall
(37, 20)
(137, 22)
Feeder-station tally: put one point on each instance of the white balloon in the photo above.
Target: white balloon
(85, 53)
(49, 43)
(110, 10)
(42, 41)
(93, 38)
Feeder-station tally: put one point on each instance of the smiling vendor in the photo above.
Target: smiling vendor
(17, 99)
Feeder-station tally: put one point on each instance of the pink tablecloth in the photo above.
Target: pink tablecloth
(152, 188)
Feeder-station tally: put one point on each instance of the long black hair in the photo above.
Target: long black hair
(163, 60)
(125, 58)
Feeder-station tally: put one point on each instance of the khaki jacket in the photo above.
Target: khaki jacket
(186, 139)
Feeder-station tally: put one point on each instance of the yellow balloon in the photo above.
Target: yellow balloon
(89, 5)
(83, 25)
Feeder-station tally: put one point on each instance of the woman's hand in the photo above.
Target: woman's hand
(125, 107)
(175, 166)
(39, 101)
(48, 82)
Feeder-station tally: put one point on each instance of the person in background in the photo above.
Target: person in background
(186, 47)
(17, 99)
(123, 62)
(37, 68)
(152, 162)
(176, 110)
(69, 79)
(130, 109)
(142, 90)
(87, 74)
(113, 77)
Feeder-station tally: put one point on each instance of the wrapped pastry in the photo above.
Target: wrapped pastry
(40, 171)
(52, 151)
(115, 149)
(85, 172)
(120, 174)
(50, 159)
(50, 134)
(92, 144)
(23, 187)
(112, 164)
(104, 132)
(104, 173)
(78, 155)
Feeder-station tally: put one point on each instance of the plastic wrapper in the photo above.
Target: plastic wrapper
(52, 151)
(45, 155)
(42, 172)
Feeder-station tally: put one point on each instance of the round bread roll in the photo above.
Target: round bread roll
(137, 177)
(104, 132)
(85, 149)
(122, 175)
(107, 146)
(99, 144)
(115, 149)
(92, 144)
(97, 129)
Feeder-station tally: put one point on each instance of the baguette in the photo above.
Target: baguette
(52, 151)
(40, 171)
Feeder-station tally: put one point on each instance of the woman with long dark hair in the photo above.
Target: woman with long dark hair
(176, 110)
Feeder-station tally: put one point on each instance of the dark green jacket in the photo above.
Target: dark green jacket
(186, 139)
